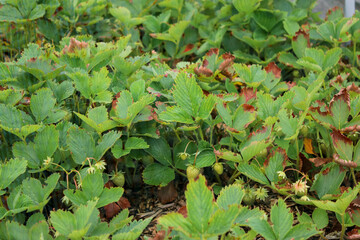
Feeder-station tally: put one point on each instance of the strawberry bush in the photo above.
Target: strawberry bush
(178, 119)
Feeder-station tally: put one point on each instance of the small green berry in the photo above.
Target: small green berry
(192, 172)
(218, 168)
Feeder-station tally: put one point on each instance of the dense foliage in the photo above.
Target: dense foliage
(255, 103)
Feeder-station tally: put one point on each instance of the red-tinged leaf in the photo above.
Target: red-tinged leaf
(168, 193)
(340, 108)
(291, 84)
(272, 67)
(247, 94)
(322, 116)
(228, 61)
(354, 233)
(353, 88)
(109, 184)
(320, 161)
(344, 163)
(212, 51)
(188, 47)
(183, 211)
(303, 33)
(203, 71)
(114, 102)
(343, 145)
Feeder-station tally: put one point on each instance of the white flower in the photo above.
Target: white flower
(100, 164)
(305, 198)
(281, 174)
(65, 200)
(47, 161)
(91, 170)
(300, 187)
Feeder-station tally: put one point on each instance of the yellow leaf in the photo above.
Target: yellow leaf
(308, 146)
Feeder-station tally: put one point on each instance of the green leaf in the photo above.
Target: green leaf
(176, 114)
(136, 143)
(320, 218)
(177, 221)
(246, 6)
(46, 142)
(243, 116)
(222, 220)
(75, 225)
(10, 170)
(106, 142)
(302, 231)
(160, 150)
(158, 175)
(340, 109)
(187, 93)
(343, 145)
(281, 218)
(109, 195)
(341, 203)
(100, 81)
(262, 227)
(38, 194)
(230, 195)
(288, 124)
(199, 204)
(176, 30)
(253, 172)
(207, 105)
(42, 102)
(252, 76)
(332, 57)
(275, 164)
(137, 89)
(205, 158)
(81, 144)
(328, 180)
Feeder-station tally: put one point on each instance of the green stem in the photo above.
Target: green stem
(211, 134)
(297, 153)
(353, 176)
(342, 227)
(233, 176)
(177, 135)
(201, 133)
(354, 52)
(176, 170)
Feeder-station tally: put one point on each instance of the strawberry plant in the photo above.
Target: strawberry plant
(249, 109)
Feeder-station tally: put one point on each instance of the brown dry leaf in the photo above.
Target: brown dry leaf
(308, 146)
(183, 211)
(111, 210)
(123, 203)
(159, 235)
(167, 194)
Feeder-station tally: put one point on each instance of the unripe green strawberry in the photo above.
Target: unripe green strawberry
(304, 130)
(263, 153)
(249, 197)
(353, 137)
(183, 155)
(218, 168)
(192, 172)
(118, 179)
